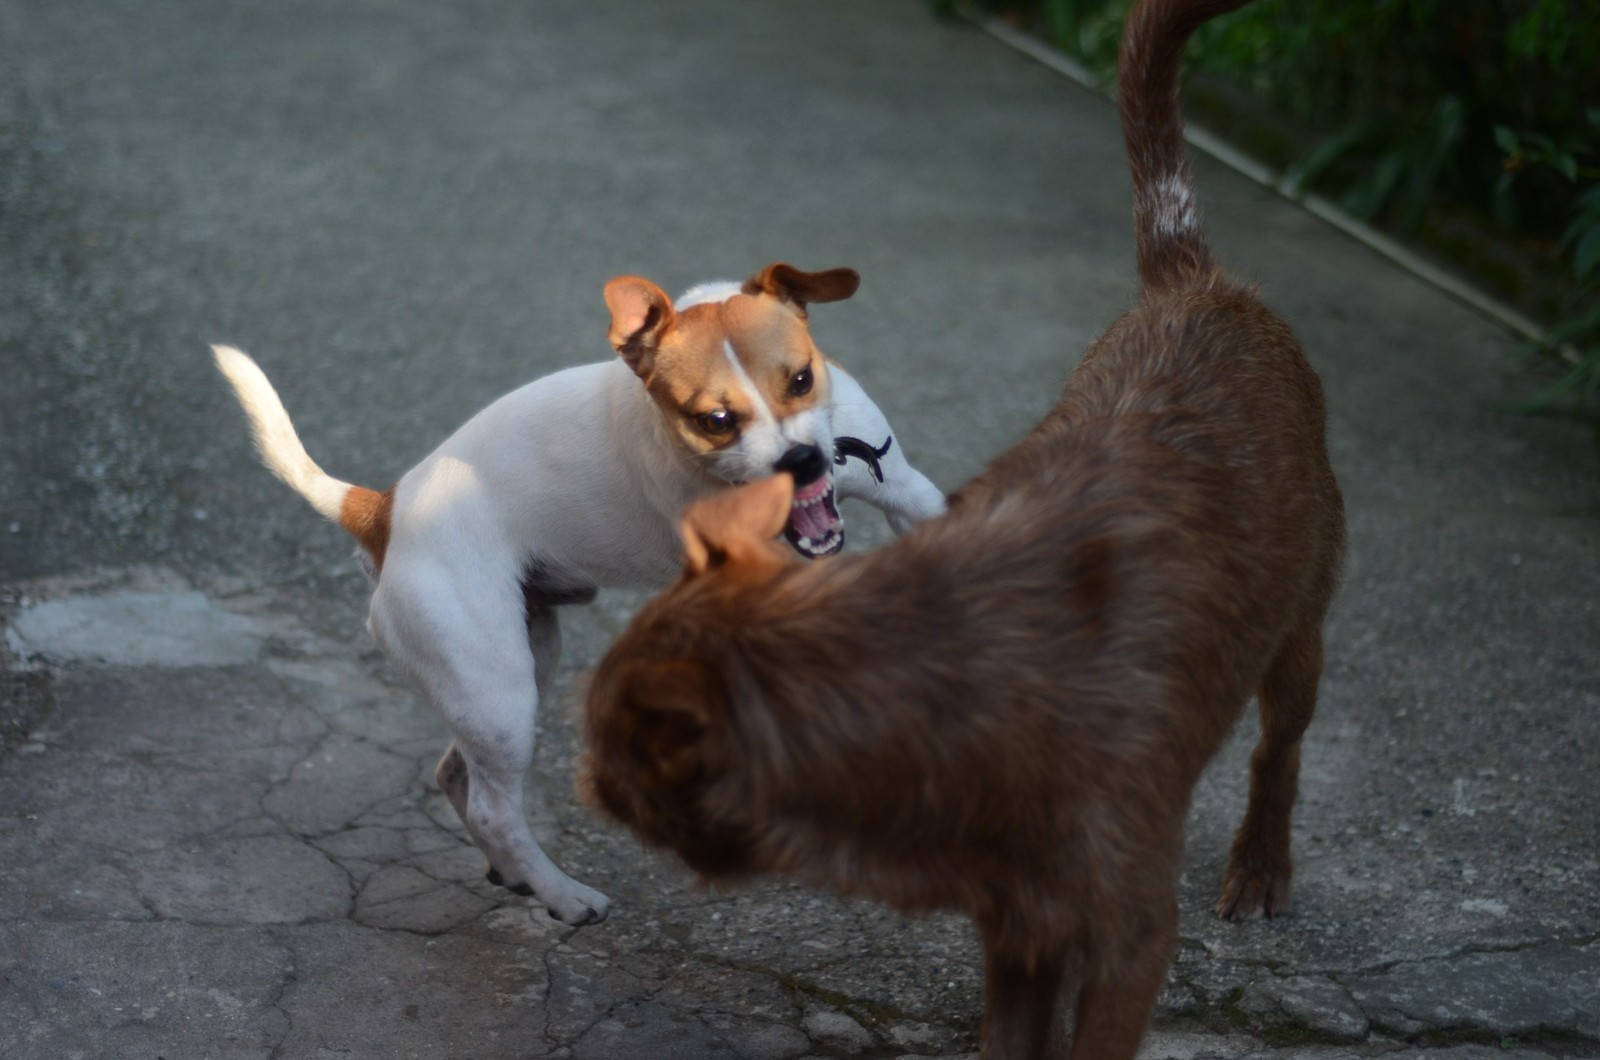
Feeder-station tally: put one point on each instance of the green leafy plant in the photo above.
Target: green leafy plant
(1525, 151)
(1575, 338)
(1402, 167)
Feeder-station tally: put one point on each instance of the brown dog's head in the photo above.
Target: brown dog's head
(663, 715)
(739, 382)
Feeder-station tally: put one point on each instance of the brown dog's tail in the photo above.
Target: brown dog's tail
(1166, 221)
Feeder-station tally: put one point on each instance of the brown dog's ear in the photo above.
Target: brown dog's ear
(673, 704)
(737, 525)
(799, 288)
(641, 313)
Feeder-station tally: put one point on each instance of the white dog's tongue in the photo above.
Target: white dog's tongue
(811, 520)
(814, 526)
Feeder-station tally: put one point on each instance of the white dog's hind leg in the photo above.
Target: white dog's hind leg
(470, 656)
(495, 818)
(452, 777)
(544, 639)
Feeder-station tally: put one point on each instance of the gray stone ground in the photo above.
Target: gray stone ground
(218, 832)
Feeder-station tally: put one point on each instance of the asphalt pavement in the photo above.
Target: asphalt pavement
(219, 835)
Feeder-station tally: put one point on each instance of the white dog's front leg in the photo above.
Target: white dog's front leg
(874, 467)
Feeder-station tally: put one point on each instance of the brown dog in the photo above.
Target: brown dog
(1005, 710)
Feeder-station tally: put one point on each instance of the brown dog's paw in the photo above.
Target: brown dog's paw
(1253, 896)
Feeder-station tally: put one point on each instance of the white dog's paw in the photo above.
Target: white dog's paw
(577, 906)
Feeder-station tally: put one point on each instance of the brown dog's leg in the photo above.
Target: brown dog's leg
(1022, 1007)
(1259, 866)
(1114, 1006)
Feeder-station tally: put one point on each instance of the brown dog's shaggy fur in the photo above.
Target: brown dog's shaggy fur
(1005, 710)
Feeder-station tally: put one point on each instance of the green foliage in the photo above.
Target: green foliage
(1086, 29)
(1400, 173)
(1577, 333)
(1488, 105)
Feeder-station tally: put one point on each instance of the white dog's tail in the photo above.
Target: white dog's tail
(363, 512)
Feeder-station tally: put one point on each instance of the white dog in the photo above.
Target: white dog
(576, 482)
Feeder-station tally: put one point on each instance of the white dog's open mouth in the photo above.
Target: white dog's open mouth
(814, 527)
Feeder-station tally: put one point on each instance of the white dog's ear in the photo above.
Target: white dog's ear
(739, 526)
(798, 288)
(641, 314)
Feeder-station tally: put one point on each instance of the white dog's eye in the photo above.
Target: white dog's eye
(800, 385)
(717, 421)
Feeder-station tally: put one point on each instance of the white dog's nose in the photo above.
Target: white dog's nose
(805, 462)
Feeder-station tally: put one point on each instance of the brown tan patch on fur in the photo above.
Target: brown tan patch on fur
(691, 374)
(799, 288)
(366, 514)
(773, 345)
(682, 357)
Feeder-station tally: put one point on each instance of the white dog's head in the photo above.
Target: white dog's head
(740, 383)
